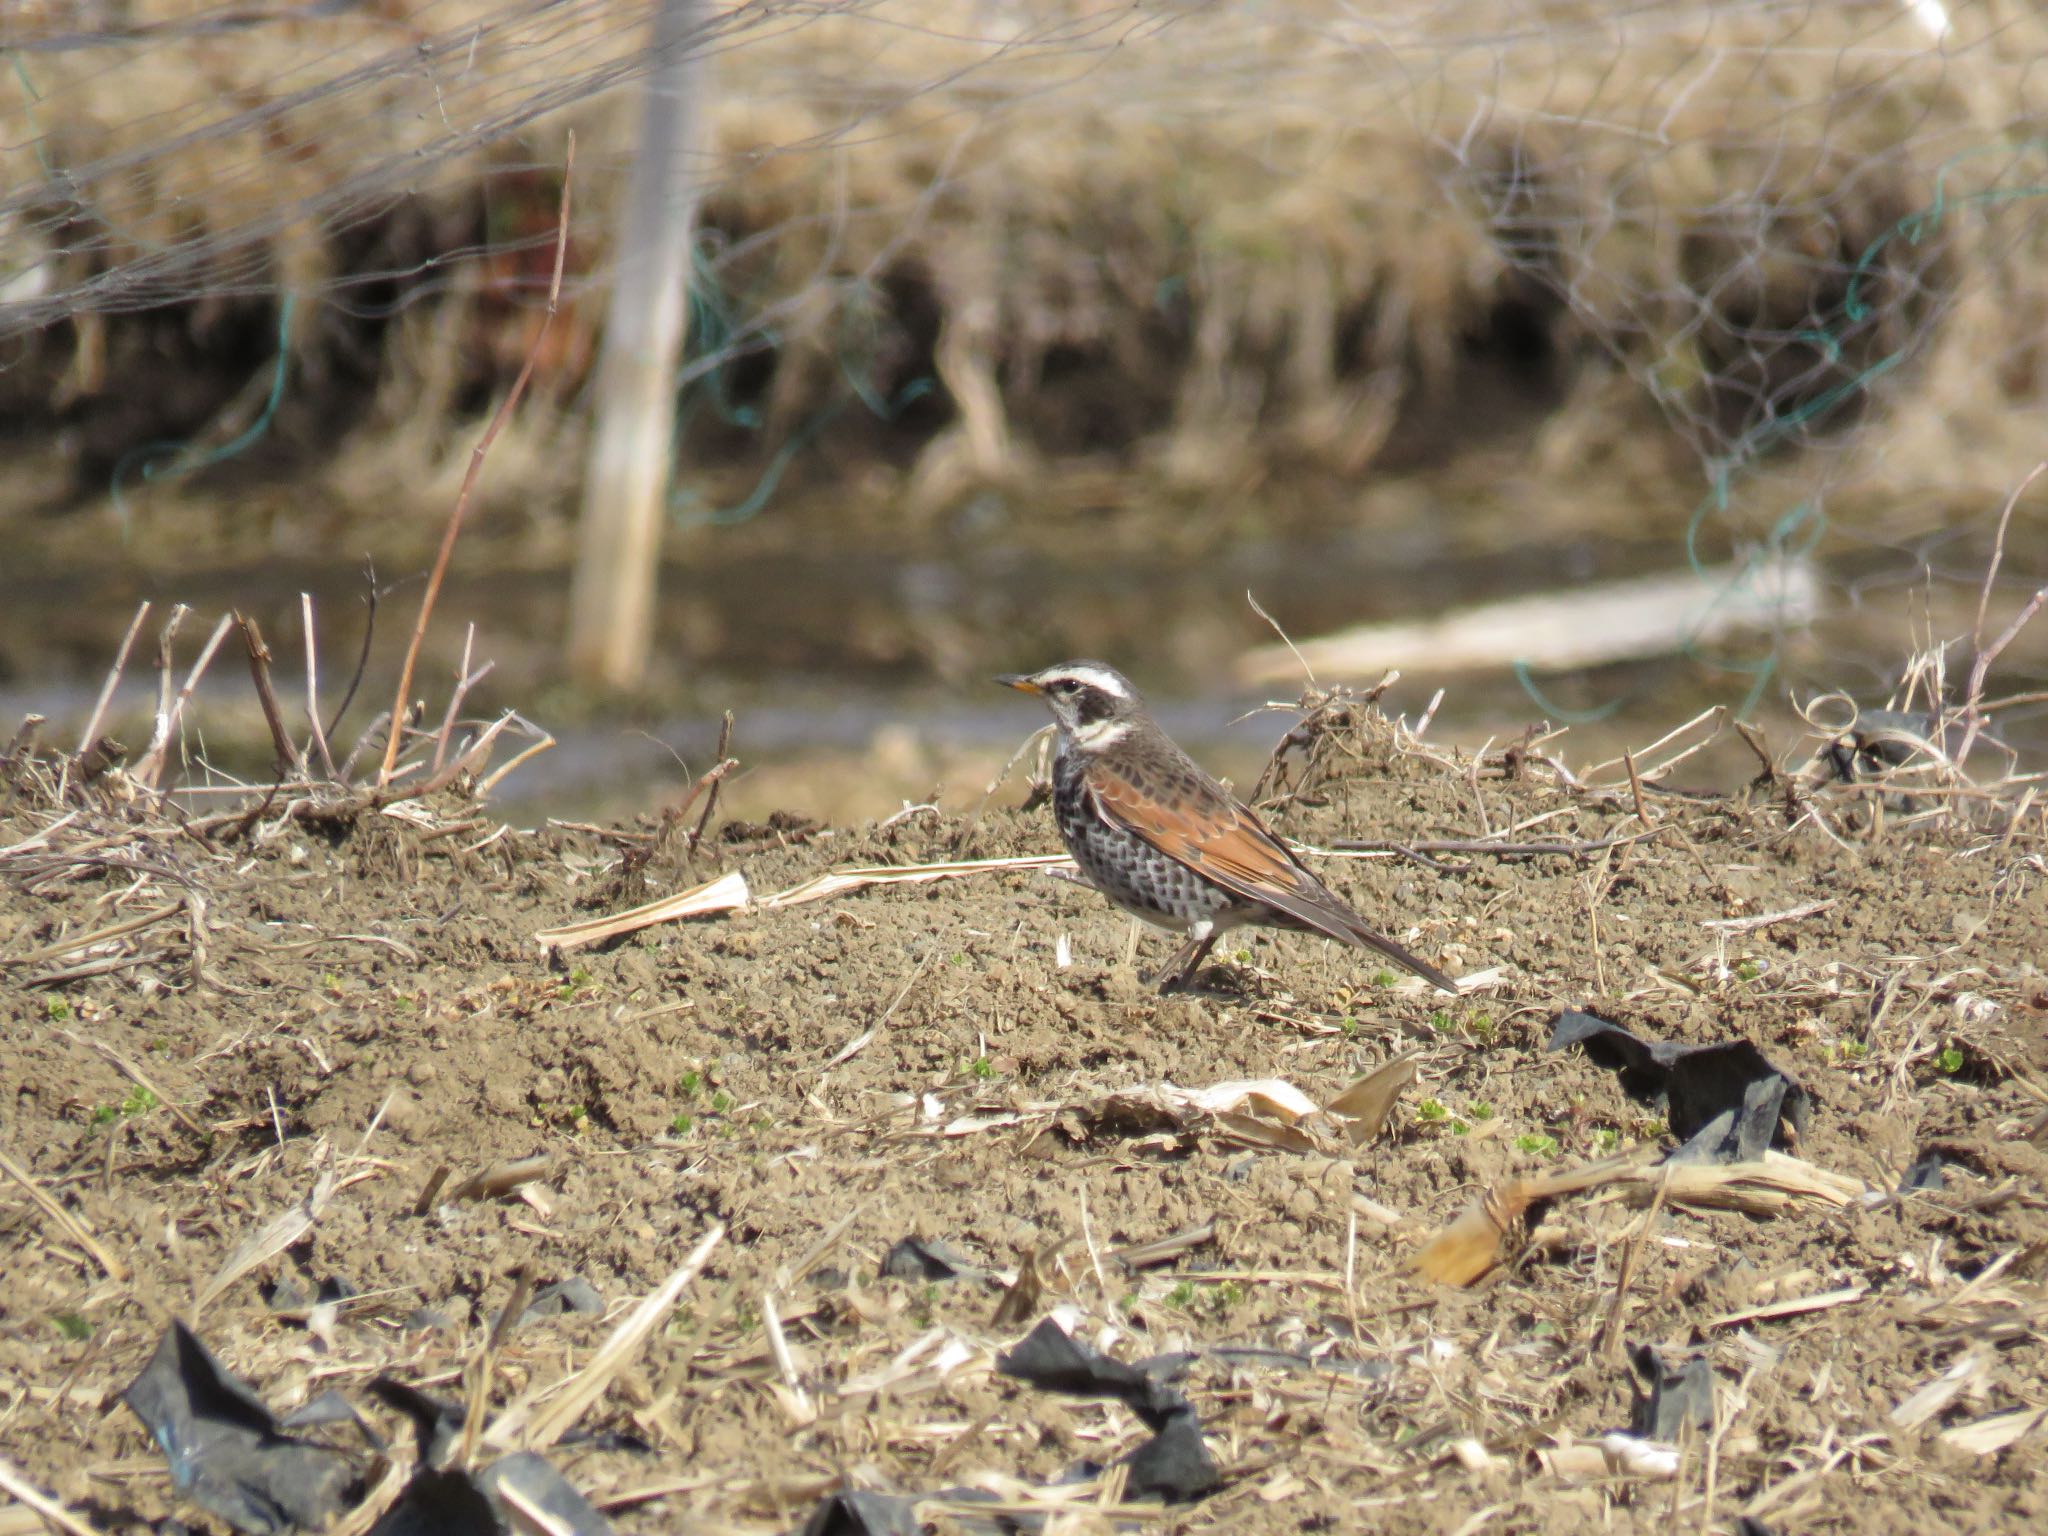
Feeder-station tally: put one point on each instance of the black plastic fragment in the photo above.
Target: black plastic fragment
(1672, 1393)
(535, 1480)
(1047, 1358)
(1174, 1464)
(574, 1294)
(857, 1512)
(226, 1451)
(328, 1408)
(1724, 1101)
(1929, 1172)
(437, 1423)
(915, 1259)
(441, 1501)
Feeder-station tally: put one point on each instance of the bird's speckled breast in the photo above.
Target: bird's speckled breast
(1122, 865)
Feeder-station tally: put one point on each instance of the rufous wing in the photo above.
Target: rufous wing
(1224, 841)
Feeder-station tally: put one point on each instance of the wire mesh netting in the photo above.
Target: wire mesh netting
(1765, 271)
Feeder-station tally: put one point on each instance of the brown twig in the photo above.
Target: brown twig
(1635, 785)
(476, 462)
(1973, 715)
(17, 756)
(1488, 845)
(726, 763)
(288, 760)
(1998, 555)
(355, 681)
(1613, 1331)
(483, 1365)
(464, 681)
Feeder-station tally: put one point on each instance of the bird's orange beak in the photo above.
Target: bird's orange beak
(1020, 681)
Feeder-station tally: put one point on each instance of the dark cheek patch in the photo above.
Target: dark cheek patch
(1092, 705)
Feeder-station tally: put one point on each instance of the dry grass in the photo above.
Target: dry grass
(1185, 243)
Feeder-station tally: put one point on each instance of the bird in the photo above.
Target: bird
(1167, 843)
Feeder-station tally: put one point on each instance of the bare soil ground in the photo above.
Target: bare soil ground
(942, 1061)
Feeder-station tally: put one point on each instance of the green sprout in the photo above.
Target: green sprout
(690, 1081)
(1537, 1145)
(982, 1068)
(1482, 1027)
(1182, 1296)
(1749, 970)
(1606, 1139)
(1950, 1061)
(721, 1101)
(1431, 1110)
(140, 1101)
(55, 1009)
(1384, 977)
(1852, 1050)
(73, 1327)
(682, 1125)
(578, 980)
(1481, 1110)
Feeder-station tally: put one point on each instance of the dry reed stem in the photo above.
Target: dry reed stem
(69, 1224)
(135, 1075)
(583, 1389)
(724, 894)
(20, 1489)
(500, 1178)
(104, 935)
(469, 478)
(318, 735)
(91, 732)
(275, 1235)
(150, 769)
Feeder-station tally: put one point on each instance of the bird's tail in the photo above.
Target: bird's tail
(1366, 938)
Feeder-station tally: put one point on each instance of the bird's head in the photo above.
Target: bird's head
(1094, 704)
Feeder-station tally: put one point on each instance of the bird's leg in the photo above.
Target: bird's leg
(1180, 970)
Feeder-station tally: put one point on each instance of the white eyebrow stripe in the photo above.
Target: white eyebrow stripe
(1094, 677)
